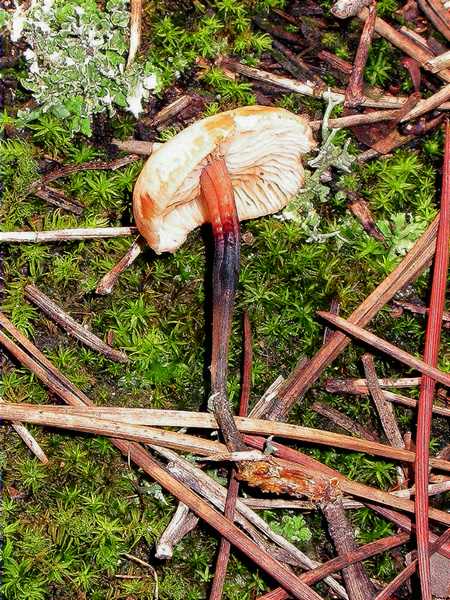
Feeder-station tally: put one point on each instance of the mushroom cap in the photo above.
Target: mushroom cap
(262, 148)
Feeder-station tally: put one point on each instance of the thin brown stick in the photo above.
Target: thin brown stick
(168, 112)
(428, 383)
(336, 62)
(354, 94)
(75, 329)
(438, 15)
(233, 489)
(344, 421)
(141, 423)
(148, 566)
(386, 347)
(58, 198)
(340, 562)
(182, 522)
(299, 63)
(93, 165)
(359, 386)
(420, 309)
(357, 582)
(393, 586)
(135, 30)
(358, 119)
(406, 44)
(28, 439)
(109, 280)
(428, 104)
(384, 409)
(64, 235)
(412, 265)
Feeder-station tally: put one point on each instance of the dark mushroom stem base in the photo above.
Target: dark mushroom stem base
(218, 198)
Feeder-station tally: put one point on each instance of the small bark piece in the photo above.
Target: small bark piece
(361, 209)
(136, 146)
(182, 522)
(109, 280)
(343, 421)
(357, 582)
(386, 347)
(75, 329)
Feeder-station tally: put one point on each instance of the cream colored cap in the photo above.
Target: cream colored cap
(262, 148)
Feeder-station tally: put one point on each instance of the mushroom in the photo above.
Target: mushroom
(233, 166)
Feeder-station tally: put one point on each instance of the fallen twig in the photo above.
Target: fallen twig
(28, 439)
(412, 265)
(74, 328)
(344, 421)
(61, 235)
(136, 146)
(421, 309)
(359, 386)
(428, 383)
(440, 62)
(58, 198)
(361, 209)
(386, 347)
(341, 65)
(166, 113)
(182, 522)
(148, 566)
(108, 281)
(438, 15)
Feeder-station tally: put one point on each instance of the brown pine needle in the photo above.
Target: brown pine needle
(428, 383)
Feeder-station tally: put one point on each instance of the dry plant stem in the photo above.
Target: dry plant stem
(393, 586)
(348, 486)
(435, 11)
(343, 421)
(340, 562)
(28, 439)
(386, 347)
(358, 119)
(136, 146)
(135, 30)
(66, 235)
(354, 94)
(265, 403)
(405, 43)
(136, 453)
(108, 281)
(218, 197)
(306, 88)
(336, 62)
(58, 315)
(359, 386)
(384, 409)
(428, 384)
(126, 422)
(58, 198)
(93, 165)
(357, 583)
(440, 62)
(233, 488)
(168, 112)
(204, 485)
(182, 522)
(428, 104)
(412, 265)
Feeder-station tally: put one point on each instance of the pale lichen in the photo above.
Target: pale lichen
(76, 59)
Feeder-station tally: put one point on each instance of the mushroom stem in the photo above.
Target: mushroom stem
(218, 197)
